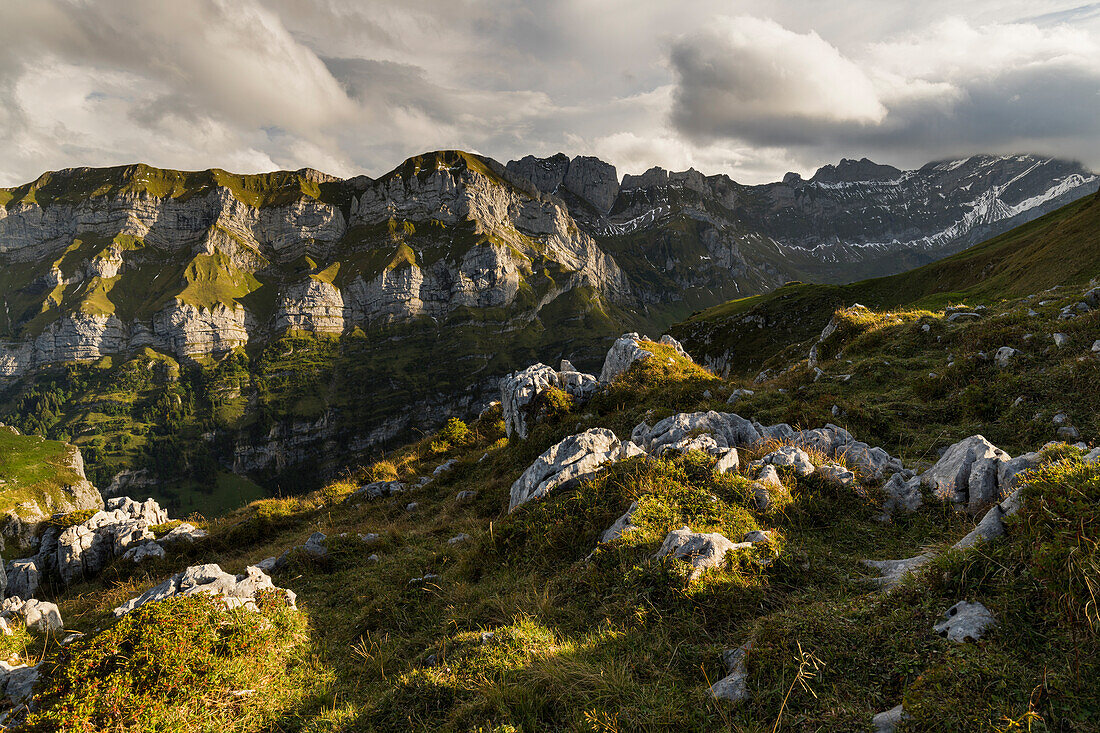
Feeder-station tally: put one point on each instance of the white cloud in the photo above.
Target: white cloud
(352, 86)
(746, 74)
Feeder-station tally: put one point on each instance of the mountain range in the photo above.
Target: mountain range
(209, 325)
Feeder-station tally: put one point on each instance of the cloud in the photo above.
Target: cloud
(750, 78)
(950, 88)
(355, 86)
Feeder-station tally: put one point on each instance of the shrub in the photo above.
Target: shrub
(174, 665)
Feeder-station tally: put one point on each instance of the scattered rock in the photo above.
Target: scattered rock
(315, 545)
(459, 539)
(967, 474)
(143, 552)
(467, 495)
(727, 430)
(1060, 339)
(698, 549)
(411, 506)
(1068, 433)
(441, 469)
(1004, 355)
(965, 622)
(1096, 346)
(378, 490)
(185, 532)
(837, 474)
(792, 457)
(235, 591)
(621, 526)
(729, 462)
(36, 615)
(734, 686)
(622, 355)
(892, 572)
(738, 394)
(902, 493)
(567, 462)
(887, 722)
(17, 681)
(963, 316)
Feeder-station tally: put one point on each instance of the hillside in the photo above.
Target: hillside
(1060, 249)
(456, 586)
(211, 338)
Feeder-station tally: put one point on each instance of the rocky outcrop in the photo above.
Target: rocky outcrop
(967, 475)
(700, 550)
(622, 355)
(519, 390)
(82, 550)
(565, 463)
(871, 464)
(590, 179)
(234, 591)
(40, 616)
(675, 432)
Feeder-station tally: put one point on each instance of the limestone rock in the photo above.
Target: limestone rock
(592, 180)
(36, 615)
(792, 457)
(698, 549)
(967, 474)
(23, 577)
(459, 539)
(1060, 339)
(902, 493)
(315, 545)
(622, 354)
(141, 553)
(621, 526)
(727, 429)
(569, 461)
(965, 622)
(184, 532)
(837, 474)
(738, 394)
(17, 681)
(1004, 356)
(887, 721)
(1009, 472)
(518, 390)
(734, 686)
(235, 591)
(893, 572)
(729, 462)
(676, 346)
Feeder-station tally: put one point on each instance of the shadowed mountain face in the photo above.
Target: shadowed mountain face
(281, 323)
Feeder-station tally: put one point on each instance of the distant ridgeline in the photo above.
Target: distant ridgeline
(187, 329)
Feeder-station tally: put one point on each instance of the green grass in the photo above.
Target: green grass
(33, 469)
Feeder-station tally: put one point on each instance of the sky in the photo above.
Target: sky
(751, 88)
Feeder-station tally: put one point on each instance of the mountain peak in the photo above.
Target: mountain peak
(849, 171)
(594, 181)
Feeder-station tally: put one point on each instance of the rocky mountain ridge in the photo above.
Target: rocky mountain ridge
(432, 281)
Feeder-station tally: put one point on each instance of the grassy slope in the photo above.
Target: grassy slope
(32, 469)
(622, 642)
(1061, 248)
